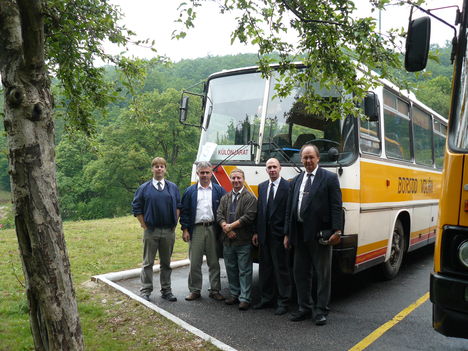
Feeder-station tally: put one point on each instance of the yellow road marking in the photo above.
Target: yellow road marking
(369, 339)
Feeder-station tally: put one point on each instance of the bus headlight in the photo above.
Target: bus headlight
(463, 253)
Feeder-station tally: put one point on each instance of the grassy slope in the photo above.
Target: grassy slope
(110, 320)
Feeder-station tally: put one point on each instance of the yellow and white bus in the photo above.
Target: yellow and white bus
(389, 165)
(449, 281)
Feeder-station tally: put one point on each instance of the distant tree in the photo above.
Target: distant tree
(153, 131)
(99, 179)
(436, 94)
(185, 73)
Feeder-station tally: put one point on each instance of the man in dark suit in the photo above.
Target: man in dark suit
(273, 265)
(314, 205)
(199, 227)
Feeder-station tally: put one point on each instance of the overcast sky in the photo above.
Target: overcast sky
(154, 19)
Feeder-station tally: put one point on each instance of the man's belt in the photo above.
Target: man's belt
(205, 224)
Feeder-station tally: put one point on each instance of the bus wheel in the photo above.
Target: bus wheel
(391, 267)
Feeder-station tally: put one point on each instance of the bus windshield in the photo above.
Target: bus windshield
(242, 108)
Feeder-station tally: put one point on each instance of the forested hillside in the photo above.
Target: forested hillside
(98, 175)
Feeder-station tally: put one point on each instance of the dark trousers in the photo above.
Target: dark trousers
(312, 263)
(273, 271)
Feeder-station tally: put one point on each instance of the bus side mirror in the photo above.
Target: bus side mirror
(372, 107)
(417, 44)
(333, 154)
(183, 109)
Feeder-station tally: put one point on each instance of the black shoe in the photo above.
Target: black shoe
(169, 297)
(262, 304)
(320, 320)
(145, 297)
(299, 316)
(280, 310)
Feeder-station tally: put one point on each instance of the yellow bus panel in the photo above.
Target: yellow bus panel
(464, 195)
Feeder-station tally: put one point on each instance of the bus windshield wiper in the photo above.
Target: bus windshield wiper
(285, 155)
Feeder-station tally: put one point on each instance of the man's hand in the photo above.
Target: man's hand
(335, 239)
(185, 235)
(142, 221)
(227, 228)
(286, 242)
(232, 234)
(255, 239)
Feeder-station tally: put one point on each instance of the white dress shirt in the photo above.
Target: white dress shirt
(301, 191)
(204, 211)
(275, 188)
(155, 183)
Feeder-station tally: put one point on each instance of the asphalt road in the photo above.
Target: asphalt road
(360, 304)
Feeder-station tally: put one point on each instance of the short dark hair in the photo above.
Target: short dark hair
(317, 152)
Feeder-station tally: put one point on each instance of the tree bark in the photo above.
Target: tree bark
(29, 125)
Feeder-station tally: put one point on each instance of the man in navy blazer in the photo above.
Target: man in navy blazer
(273, 264)
(199, 227)
(314, 205)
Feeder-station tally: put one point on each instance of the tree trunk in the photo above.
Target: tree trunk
(30, 130)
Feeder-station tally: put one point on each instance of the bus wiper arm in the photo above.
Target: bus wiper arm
(285, 155)
(250, 142)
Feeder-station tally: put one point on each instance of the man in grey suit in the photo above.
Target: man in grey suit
(273, 264)
(314, 205)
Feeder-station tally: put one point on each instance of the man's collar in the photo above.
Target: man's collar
(210, 186)
(276, 182)
(240, 191)
(314, 172)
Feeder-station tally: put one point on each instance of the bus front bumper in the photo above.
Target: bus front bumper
(449, 296)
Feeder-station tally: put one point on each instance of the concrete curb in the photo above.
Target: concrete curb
(133, 273)
(111, 278)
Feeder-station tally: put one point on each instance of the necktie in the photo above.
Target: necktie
(233, 208)
(306, 192)
(159, 186)
(269, 207)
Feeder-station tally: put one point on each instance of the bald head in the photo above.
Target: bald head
(273, 169)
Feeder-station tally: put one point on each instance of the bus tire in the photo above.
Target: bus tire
(391, 267)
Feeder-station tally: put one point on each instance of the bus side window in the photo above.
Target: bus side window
(422, 129)
(440, 133)
(370, 137)
(397, 127)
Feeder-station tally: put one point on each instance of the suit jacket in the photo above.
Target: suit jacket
(278, 213)
(189, 205)
(246, 213)
(323, 206)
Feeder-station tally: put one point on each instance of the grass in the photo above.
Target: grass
(109, 319)
(5, 197)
